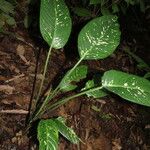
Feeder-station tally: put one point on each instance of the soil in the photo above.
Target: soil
(108, 123)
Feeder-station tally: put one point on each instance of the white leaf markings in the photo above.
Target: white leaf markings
(133, 88)
(99, 38)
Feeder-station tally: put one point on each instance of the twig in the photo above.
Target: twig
(14, 78)
(14, 111)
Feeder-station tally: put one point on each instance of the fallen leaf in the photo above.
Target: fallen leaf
(21, 101)
(116, 144)
(7, 89)
(21, 51)
(147, 126)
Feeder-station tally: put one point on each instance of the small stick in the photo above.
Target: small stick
(14, 78)
(14, 111)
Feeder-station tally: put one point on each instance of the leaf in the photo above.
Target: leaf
(47, 135)
(115, 8)
(7, 89)
(1, 29)
(105, 11)
(99, 38)
(142, 6)
(95, 2)
(27, 21)
(76, 75)
(147, 75)
(2, 20)
(123, 9)
(6, 19)
(6, 7)
(82, 12)
(141, 63)
(67, 132)
(55, 22)
(10, 21)
(130, 87)
(21, 52)
(96, 94)
(102, 2)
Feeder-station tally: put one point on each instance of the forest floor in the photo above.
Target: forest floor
(108, 123)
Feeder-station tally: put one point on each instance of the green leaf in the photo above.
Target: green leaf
(132, 2)
(76, 75)
(10, 21)
(123, 9)
(130, 87)
(47, 135)
(142, 6)
(147, 75)
(55, 22)
(105, 11)
(6, 7)
(99, 38)
(82, 12)
(2, 20)
(95, 2)
(115, 8)
(96, 94)
(67, 132)
(27, 21)
(1, 29)
(141, 63)
(6, 19)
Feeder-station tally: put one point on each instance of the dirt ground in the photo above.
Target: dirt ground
(109, 123)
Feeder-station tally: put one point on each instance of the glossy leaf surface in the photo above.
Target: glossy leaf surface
(130, 87)
(67, 132)
(95, 94)
(99, 38)
(47, 135)
(76, 75)
(55, 22)
(82, 12)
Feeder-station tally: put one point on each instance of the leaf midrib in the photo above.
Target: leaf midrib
(126, 87)
(54, 33)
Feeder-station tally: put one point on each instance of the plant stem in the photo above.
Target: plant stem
(44, 73)
(47, 99)
(42, 82)
(72, 69)
(55, 92)
(63, 101)
(139, 60)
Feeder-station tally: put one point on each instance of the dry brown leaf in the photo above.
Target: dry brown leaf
(7, 89)
(21, 101)
(14, 68)
(21, 51)
(116, 144)
(147, 126)
(2, 78)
